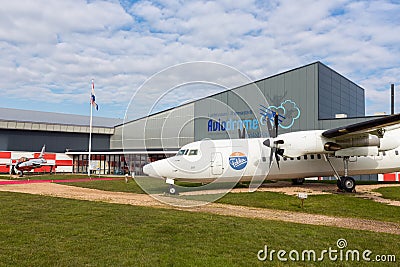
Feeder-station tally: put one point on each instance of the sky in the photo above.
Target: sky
(50, 50)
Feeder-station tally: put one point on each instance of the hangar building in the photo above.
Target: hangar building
(309, 97)
(312, 95)
(22, 133)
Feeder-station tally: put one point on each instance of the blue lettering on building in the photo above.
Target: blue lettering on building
(287, 112)
(231, 125)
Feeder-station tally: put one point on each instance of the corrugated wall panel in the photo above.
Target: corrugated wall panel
(169, 130)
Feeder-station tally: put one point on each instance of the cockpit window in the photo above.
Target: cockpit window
(23, 159)
(193, 152)
(182, 152)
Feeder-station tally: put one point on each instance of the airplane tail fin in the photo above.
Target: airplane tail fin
(42, 152)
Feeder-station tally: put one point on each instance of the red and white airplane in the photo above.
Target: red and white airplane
(369, 147)
(24, 164)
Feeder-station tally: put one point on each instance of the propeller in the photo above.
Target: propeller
(275, 151)
(273, 144)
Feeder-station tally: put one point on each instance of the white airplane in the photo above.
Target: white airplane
(369, 147)
(27, 164)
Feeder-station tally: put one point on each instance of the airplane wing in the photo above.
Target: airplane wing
(375, 126)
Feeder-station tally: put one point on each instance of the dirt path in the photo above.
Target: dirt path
(64, 191)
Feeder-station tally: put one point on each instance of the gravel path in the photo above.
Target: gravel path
(71, 192)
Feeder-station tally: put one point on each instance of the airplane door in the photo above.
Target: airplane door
(216, 163)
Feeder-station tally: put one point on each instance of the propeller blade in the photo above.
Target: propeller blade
(271, 156)
(277, 159)
(270, 128)
(276, 152)
(276, 123)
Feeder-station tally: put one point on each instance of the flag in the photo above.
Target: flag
(93, 98)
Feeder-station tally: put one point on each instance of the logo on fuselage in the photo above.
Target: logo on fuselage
(238, 160)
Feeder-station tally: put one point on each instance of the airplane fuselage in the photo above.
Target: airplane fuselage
(30, 164)
(245, 159)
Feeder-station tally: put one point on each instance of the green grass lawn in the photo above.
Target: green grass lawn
(390, 192)
(114, 185)
(344, 205)
(45, 231)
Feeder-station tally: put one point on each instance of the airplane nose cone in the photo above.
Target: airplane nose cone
(159, 168)
(149, 170)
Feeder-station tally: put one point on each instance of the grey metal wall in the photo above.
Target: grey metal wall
(300, 86)
(305, 96)
(338, 94)
(293, 94)
(19, 140)
(222, 115)
(166, 130)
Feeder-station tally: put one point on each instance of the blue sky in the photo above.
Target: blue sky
(50, 50)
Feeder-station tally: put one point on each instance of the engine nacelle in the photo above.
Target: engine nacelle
(360, 141)
(303, 142)
(389, 141)
(312, 142)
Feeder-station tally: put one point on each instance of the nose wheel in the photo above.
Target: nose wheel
(172, 190)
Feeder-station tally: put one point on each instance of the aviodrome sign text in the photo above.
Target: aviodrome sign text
(232, 125)
(288, 113)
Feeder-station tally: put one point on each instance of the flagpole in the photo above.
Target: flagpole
(90, 131)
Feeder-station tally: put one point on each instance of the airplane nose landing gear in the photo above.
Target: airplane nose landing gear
(172, 190)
